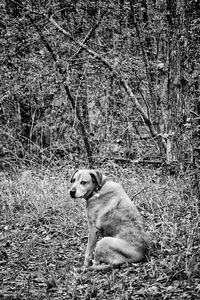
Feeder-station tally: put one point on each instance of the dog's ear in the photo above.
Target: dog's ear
(71, 179)
(98, 177)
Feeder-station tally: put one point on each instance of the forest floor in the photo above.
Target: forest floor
(43, 236)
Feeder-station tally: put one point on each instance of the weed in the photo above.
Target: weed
(43, 235)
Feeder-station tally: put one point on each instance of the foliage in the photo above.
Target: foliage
(44, 234)
(134, 77)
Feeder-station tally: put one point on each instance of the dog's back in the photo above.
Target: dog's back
(123, 220)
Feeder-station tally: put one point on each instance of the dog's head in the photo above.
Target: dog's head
(85, 183)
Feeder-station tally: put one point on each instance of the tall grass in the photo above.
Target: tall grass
(44, 234)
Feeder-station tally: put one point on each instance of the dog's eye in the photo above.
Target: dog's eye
(83, 182)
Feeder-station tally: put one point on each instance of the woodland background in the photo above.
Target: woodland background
(112, 85)
(100, 80)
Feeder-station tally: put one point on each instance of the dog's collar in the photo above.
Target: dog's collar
(95, 193)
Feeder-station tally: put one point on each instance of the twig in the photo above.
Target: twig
(123, 82)
(147, 187)
(87, 37)
(194, 113)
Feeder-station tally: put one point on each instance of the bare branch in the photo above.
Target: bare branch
(142, 190)
(67, 89)
(128, 90)
(88, 36)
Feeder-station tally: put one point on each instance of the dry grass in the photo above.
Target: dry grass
(43, 235)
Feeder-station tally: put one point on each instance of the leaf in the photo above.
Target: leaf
(47, 238)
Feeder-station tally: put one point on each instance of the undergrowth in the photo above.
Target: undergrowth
(43, 236)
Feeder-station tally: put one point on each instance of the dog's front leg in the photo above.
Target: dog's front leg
(92, 240)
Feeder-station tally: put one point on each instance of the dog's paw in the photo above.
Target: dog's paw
(100, 267)
(88, 262)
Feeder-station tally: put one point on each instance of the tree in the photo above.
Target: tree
(110, 64)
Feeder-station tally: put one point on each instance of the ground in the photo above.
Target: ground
(43, 236)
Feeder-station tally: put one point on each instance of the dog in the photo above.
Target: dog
(111, 214)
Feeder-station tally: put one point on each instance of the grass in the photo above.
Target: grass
(43, 236)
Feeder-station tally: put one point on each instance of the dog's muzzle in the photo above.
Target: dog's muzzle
(72, 193)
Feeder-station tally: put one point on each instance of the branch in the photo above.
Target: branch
(81, 44)
(128, 90)
(68, 92)
(87, 37)
(195, 114)
(142, 190)
(145, 58)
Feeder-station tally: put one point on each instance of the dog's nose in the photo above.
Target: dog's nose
(72, 193)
